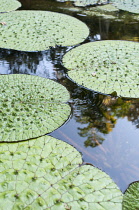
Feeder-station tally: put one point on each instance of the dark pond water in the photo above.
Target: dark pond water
(103, 128)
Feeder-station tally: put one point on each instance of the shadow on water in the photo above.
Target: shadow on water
(104, 129)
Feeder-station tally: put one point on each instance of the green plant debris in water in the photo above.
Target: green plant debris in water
(46, 174)
(39, 30)
(30, 106)
(9, 5)
(131, 197)
(127, 5)
(83, 3)
(106, 67)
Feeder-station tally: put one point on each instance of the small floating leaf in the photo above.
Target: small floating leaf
(9, 5)
(131, 197)
(39, 30)
(30, 106)
(56, 182)
(115, 63)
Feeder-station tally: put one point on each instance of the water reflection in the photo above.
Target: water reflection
(42, 64)
(107, 29)
(103, 128)
(49, 5)
(101, 120)
(106, 133)
(125, 28)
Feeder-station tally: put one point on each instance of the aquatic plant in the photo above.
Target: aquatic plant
(47, 173)
(9, 5)
(127, 5)
(106, 66)
(31, 106)
(131, 197)
(40, 30)
(83, 3)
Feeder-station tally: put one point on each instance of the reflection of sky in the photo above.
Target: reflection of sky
(118, 154)
(121, 155)
(4, 67)
(45, 68)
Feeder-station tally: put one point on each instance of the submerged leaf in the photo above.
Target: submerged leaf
(115, 64)
(30, 106)
(9, 5)
(46, 174)
(39, 30)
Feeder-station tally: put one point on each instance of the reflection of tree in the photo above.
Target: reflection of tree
(124, 108)
(109, 29)
(35, 63)
(48, 5)
(93, 138)
(119, 159)
(26, 3)
(96, 122)
(97, 115)
(105, 28)
(100, 120)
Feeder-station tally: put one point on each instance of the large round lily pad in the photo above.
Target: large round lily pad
(9, 5)
(127, 5)
(46, 174)
(30, 106)
(131, 197)
(106, 67)
(39, 30)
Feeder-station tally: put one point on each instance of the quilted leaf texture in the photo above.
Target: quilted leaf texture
(106, 66)
(131, 197)
(28, 30)
(127, 5)
(31, 106)
(46, 173)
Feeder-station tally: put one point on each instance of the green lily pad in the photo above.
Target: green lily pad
(30, 106)
(106, 67)
(127, 5)
(39, 30)
(9, 5)
(83, 3)
(131, 197)
(46, 174)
